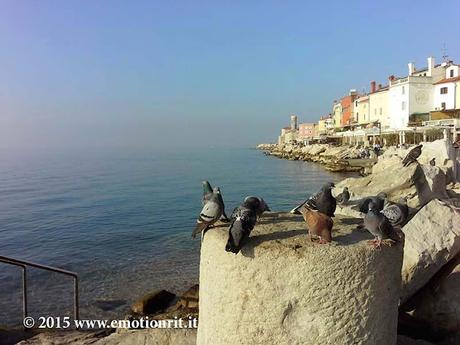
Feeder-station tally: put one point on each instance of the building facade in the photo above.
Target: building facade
(446, 91)
(361, 110)
(379, 106)
(337, 114)
(306, 131)
(347, 104)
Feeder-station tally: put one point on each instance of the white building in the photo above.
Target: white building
(446, 91)
(413, 95)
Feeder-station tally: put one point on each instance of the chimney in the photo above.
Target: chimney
(431, 63)
(372, 86)
(411, 67)
(379, 87)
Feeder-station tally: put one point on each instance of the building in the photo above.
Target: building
(337, 114)
(347, 104)
(325, 125)
(361, 110)
(411, 97)
(379, 105)
(306, 131)
(447, 90)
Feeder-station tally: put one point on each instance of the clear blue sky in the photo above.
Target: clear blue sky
(142, 73)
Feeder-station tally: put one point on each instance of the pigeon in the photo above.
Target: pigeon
(243, 220)
(207, 194)
(433, 162)
(263, 207)
(211, 212)
(318, 224)
(378, 200)
(412, 155)
(397, 213)
(344, 197)
(323, 201)
(379, 226)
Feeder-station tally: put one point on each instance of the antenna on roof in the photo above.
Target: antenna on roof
(445, 57)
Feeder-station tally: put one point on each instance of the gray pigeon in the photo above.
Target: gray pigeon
(207, 194)
(378, 200)
(323, 201)
(412, 155)
(379, 226)
(263, 207)
(344, 197)
(397, 213)
(211, 212)
(433, 162)
(243, 220)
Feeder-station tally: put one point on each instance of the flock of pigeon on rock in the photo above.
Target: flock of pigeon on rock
(380, 215)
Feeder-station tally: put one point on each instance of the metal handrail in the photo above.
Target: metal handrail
(23, 264)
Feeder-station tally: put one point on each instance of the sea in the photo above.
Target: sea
(122, 219)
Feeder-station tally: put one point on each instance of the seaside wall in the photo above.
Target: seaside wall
(283, 289)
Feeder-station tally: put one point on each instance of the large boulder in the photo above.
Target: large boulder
(151, 337)
(432, 240)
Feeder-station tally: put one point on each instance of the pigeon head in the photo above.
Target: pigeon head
(252, 202)
(216, 190)
(345, 189)
(372, 206)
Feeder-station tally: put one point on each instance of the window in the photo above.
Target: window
(443, 105)
(444, 90)
(451, 73)
(403, 105)
(403, 90)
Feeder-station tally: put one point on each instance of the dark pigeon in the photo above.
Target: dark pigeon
(412, 155)
(323, 201)
(344, 197)
(379, 226)
(397, 213)
(211, 212)
(242, 221)
(378, 200)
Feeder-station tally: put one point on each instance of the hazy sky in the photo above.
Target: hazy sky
(150, 73)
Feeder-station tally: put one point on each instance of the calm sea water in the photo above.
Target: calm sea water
(122, 219)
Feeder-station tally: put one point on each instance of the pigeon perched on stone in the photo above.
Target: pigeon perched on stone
(323, 201)
(378, 200)
(212, 210)
(433, 162)
(412, 155)
(344, 197)
(397, 213)
(379, 226)
(318, 224)
(207, 194)
(243, 220)
(263, 207)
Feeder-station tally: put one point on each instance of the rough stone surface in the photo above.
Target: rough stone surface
(151, 337)
(432, 240)
(123, 337)
(282, 289)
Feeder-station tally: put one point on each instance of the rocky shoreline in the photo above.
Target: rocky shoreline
(334, 158)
